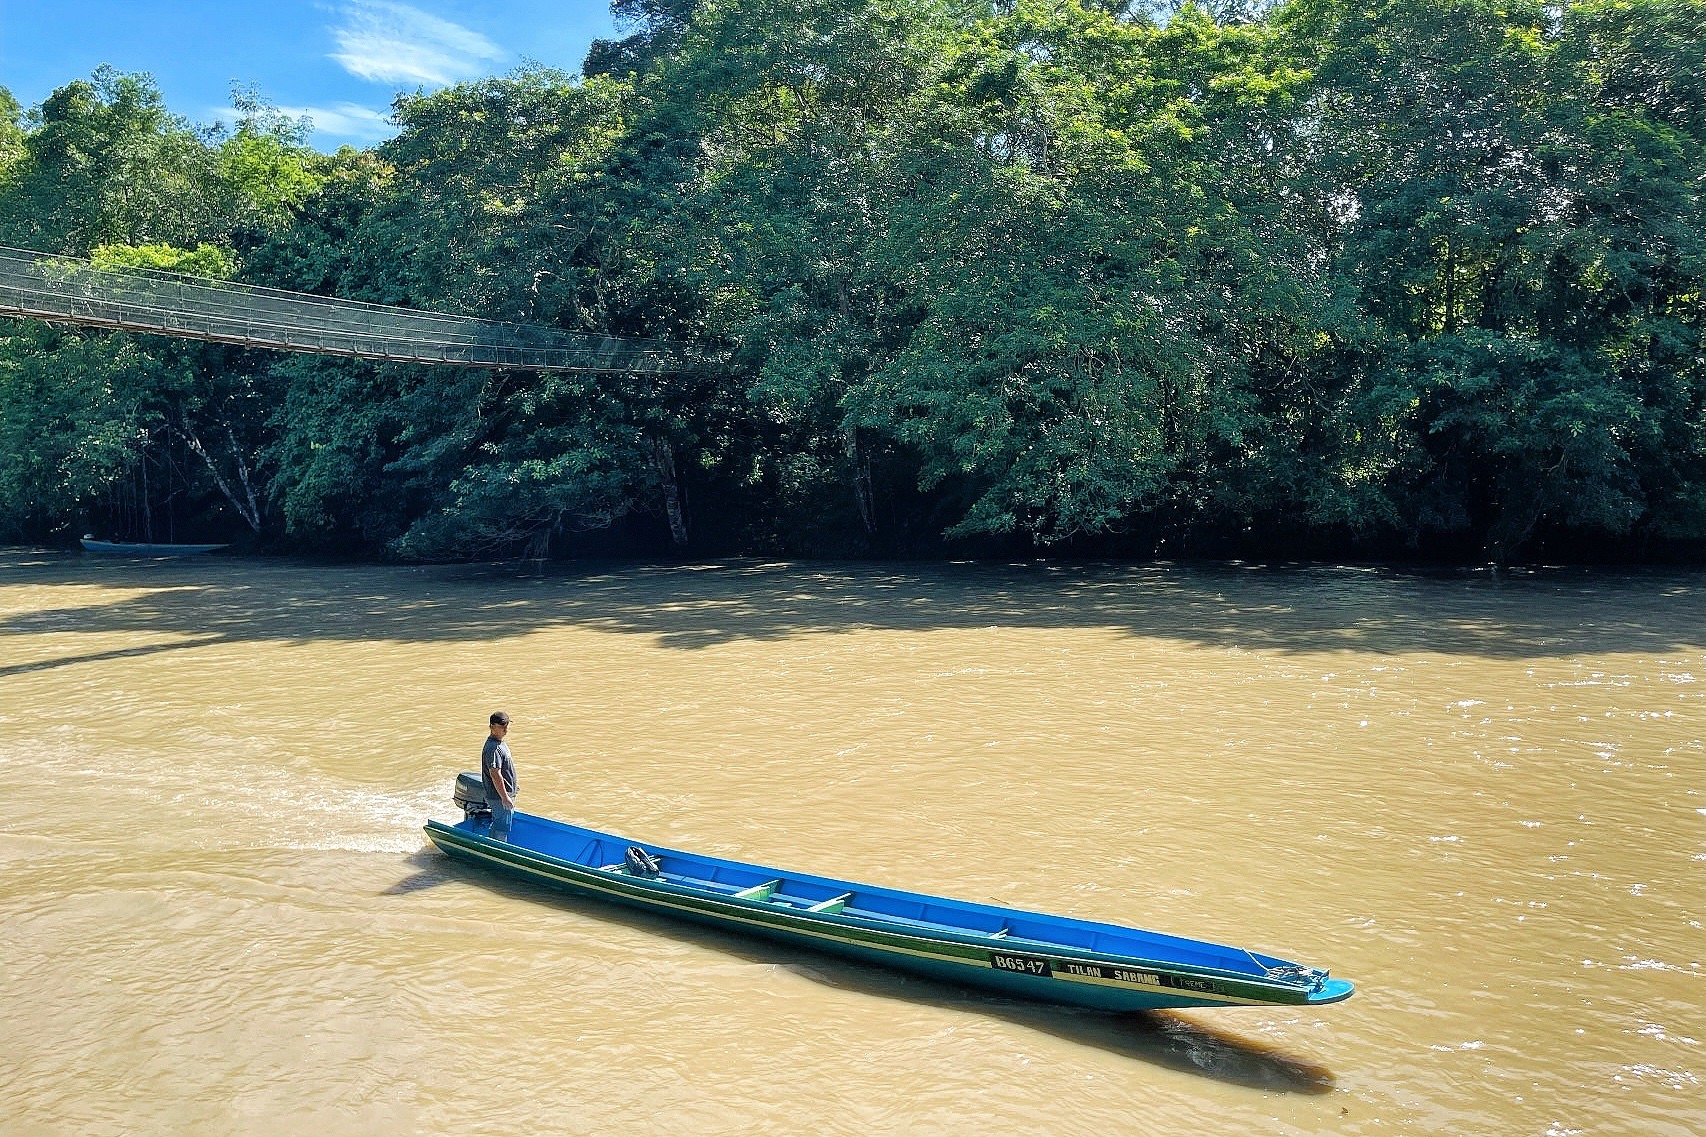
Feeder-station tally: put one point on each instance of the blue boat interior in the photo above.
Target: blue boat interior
(836, 900)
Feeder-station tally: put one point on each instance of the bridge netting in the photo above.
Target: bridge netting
(43, 286)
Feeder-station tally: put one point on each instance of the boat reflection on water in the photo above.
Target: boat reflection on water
(1167, 1038)
(1164, 1038)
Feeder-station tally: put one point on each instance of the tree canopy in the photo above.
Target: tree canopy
(1401, 279)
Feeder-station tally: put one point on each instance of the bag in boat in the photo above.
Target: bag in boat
(639, 862)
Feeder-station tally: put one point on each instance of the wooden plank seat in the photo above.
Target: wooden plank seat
(759, 891)
(832, 906)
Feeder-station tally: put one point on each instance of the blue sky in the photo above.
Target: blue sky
(340, 62)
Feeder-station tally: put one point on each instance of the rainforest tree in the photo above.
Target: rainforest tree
(1386, 278)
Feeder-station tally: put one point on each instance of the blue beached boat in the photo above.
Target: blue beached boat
(1026, 954)
(145, 548)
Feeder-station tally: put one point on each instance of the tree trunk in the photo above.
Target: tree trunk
(147, 505)
(663, 461)
(247, 507)
(862, 495)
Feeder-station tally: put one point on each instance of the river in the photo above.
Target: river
(1481, 798)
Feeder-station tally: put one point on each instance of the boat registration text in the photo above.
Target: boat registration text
(1065, 969)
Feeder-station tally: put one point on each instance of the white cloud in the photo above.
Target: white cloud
(349, 121)
(386, 42)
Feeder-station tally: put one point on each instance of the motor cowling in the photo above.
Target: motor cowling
(471, 796)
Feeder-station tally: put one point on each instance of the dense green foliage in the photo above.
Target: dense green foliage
(1400, 277)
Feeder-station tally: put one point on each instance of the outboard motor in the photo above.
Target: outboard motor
(471, 796)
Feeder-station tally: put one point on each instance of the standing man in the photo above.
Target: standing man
(498, 772)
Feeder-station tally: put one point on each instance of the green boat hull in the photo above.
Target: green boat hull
(717, 893)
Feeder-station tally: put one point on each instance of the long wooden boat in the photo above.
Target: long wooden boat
(145, 549)
(1027, 954)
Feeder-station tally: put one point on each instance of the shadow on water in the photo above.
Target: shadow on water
(431, 870)
(1162, 1038)
(105, 656)
(1517, 615)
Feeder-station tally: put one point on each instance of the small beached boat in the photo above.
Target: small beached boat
(145, 549)
(1027, 954)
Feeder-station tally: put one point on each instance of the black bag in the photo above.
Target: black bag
(639, 862)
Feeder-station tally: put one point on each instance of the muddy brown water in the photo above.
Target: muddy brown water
(1480, 798)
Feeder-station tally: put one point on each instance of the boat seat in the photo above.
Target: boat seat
(831, 906)
(759, 891)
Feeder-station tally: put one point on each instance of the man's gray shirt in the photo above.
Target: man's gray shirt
(495, 756)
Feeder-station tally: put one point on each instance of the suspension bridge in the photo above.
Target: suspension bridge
(44, 286)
